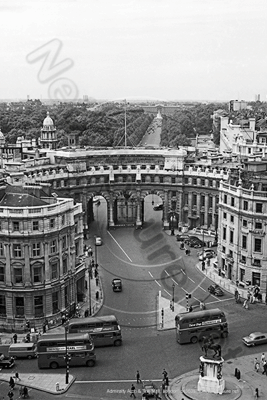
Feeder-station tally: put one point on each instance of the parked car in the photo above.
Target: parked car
(98, 241)
(207, 253)
(216, 290)
(182, 237)
(116, 285)
(194, 243)
(158, 207)
(255, 338)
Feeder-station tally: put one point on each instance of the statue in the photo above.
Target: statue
(208, 344)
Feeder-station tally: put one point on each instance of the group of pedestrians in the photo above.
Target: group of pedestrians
(257, 364)
(24, 393)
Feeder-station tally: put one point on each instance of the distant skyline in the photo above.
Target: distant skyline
(202, 50)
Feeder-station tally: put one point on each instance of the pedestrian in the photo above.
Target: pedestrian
(203, 265)
(262, 358)
(11, 383)
(27, 338)
(15, 338)
(17, 376)
(157, 394)
(96, 273)
(44, 327)
(164, 373)
(264, 367)
(132, 391)
(257, 366)
(245, 304)
(256, 393)
(190, 309)
(138, 378)
(10, 394)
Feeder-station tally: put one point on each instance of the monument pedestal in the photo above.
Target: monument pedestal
(210, 376)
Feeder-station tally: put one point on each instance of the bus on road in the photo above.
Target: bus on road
(104, 331)
(192, 326)
(52, 350)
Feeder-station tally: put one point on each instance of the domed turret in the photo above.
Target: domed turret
(48, 121)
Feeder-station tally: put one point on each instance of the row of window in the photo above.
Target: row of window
(17, 225)
(38, 304)
(37, 272)
(195, 181)
(255, 261)
(258, 206)
(257, 224)
(36, 248)
(202, 200)
(257, 248)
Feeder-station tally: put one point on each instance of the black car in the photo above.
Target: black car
(215, 290)
(6, 362)
(182, 238)
(116, 285)
(197, 243)
(158, 207)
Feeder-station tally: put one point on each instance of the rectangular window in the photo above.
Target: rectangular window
(256, 278)
(224, 233)
(242, 275)
(243, 259)
(245, 205)
(232, 201)
(245, 223)
(18, 275)
(186, 198)
(63, 220)
(53, 246)
(2, 305)
(17, 250)
(64, 242)
(194, 199)
(54, 270)
(231, 253)
(211, 183)
(256, 262)
(19, 306)
(232, 218)
(231, 236)
(16, 226)
(257, 245)
(210, 202)
(37, 274)
(2, 274)
(36, 249)
(202, 182)
(38, 306)
(55, 307)
(66, 296)
(223, 249)
(186, 181)
(65, 265)
(194, 181)
(224, 215)
(258, 225)
(202, 202)
(35, 225)
(225, 199)
(244, 242)
(258, 207)
(2, 251)
(52, 223)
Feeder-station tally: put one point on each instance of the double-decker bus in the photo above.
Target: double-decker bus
(192, 326)
(104, 331)
(53, 348)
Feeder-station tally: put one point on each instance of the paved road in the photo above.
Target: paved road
(149, 260)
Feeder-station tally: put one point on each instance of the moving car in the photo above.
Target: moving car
(207, 253)
(255, 338)
(116, 285)
(158, 207)
(215, 289)
(6, 362)
(149, 388)
(98, 241)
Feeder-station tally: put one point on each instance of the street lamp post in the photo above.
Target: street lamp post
(67, 355)
(89, 289)
(173, 286)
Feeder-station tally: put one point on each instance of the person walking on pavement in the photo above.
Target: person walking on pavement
(164, 373)
(11, 383)
(133, 391)
(262, 359)
(17, 376)
(256, 393)
(15, 338)
(10, 394)
(257, 365)
(264, 367)
(138, 378)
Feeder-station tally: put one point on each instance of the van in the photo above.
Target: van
(22, 350)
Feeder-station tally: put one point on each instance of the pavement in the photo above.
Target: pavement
(185, 386)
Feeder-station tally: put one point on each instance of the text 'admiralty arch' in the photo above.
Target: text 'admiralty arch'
(124, 177)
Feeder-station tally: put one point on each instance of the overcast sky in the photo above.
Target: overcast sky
(113, 49)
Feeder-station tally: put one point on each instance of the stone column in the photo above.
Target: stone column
(110, 206)
(180, 194)
(165, 210)
(206, 211)
(138, 214)
(27, 267)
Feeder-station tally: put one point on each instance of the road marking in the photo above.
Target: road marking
(175, 282)
(151, 274)
(167, 273)
(167, 292)
(158, 283)
(191, 279)
(119, 246)
(204, 290)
